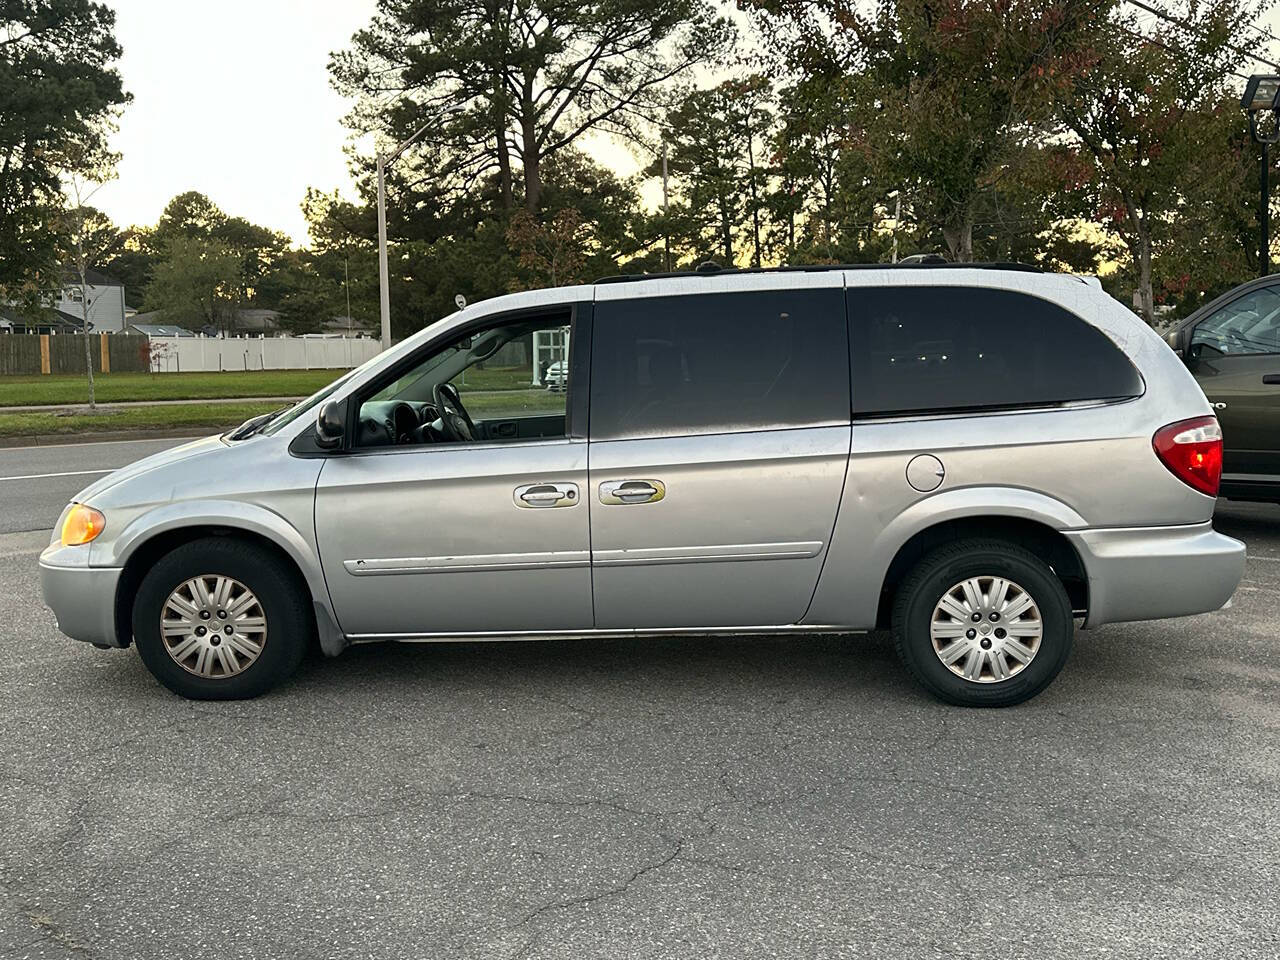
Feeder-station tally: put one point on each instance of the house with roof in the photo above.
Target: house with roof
(52, 321)
(106, 302)
(65, 313)
(147, 329)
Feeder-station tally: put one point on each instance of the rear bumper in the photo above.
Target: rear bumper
(1150, 573)
(83, 598)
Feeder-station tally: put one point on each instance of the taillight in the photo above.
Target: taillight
(1192, 450)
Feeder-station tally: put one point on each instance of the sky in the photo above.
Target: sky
(232, 98)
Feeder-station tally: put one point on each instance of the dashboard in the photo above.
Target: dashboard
(398, 422)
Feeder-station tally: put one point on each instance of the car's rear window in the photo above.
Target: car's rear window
(938, 349)
(717, 363)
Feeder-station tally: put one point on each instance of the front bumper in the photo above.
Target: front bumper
(83, 598)
(1150, 573)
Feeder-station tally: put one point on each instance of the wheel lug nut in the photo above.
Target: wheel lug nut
(1000, 633)
(986, 643)
(222, 614)
(971, 634)
(228, 630)
(976, 617)
(215, 641)
(994, 616)
(201, 631)
(204, 614)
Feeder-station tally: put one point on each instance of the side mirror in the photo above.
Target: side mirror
(1174, 339)
(330, 425)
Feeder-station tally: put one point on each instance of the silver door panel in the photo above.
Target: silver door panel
(737, 538)
(435, 539)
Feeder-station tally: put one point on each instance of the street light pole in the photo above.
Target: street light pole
(897, 215)
(1262, 95)
(666, 226)
(1264, 216)
(384, 272)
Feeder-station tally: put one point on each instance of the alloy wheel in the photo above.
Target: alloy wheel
(986, 629)
(213, 626)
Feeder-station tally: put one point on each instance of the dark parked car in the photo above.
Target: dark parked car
(1232, 346)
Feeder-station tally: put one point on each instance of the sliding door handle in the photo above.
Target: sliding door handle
(619, 492)
(1271, 379)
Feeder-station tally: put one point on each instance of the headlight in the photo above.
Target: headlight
(82, 525)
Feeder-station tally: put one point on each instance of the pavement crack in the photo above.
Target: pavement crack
(617, 890)
(47, 927)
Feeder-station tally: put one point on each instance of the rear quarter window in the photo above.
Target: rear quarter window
(938, 349)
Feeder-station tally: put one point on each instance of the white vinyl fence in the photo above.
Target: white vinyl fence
(208, 354)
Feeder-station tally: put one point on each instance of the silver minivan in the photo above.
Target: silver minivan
(975, 456)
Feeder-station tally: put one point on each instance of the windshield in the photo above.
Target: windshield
(399, 388)
(304, 406)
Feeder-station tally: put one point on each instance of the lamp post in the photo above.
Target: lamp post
(384, 273)
(1262, 95)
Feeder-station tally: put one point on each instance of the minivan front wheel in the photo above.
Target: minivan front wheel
(983, 623)
(220, 619)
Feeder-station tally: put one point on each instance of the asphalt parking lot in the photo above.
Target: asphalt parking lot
(735, 798)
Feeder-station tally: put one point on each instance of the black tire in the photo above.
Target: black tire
(282, 597)
(948, 566)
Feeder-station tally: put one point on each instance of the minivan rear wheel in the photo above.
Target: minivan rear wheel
(983, 623)
(220, 619)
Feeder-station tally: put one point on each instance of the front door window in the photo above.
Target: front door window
(504, 383)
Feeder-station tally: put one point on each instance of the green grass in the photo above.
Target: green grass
(31, 390)
(488, 394)
(511, 403)
(495, 378)
(222, 416)
(197, 418)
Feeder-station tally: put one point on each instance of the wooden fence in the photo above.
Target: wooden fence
(64, 353)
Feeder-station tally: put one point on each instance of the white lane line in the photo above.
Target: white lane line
(1261, 556)
(98, 443)
(69, 473)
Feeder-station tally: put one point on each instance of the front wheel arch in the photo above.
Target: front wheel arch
(146, 553)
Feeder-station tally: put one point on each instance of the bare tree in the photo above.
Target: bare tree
(90, 237)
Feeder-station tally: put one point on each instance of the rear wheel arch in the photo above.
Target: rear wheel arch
(1040, 538)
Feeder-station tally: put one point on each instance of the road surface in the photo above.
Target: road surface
(665, 799)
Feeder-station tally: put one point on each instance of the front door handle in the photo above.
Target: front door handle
(619, 492)
(1271, 379)
(541, 495)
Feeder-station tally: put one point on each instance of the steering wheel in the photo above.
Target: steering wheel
(453, 415)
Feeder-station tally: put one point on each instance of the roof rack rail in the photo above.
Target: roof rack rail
(925, 262)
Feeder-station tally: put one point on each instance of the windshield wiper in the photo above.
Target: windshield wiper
(254, 424)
